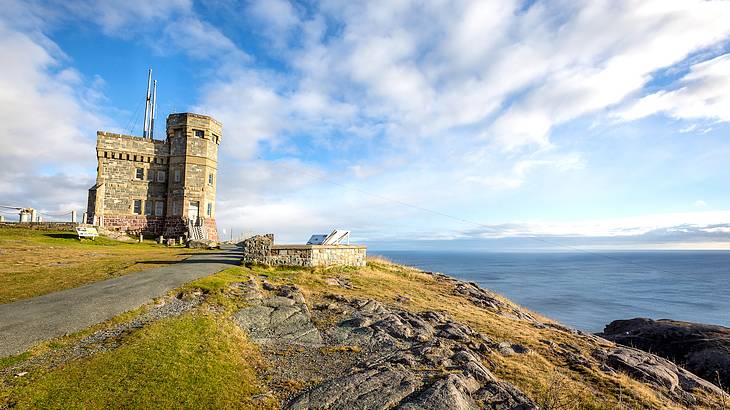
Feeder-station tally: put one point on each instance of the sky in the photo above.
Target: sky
(486, 124)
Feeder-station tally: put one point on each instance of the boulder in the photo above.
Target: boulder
(202, 244)
(702, 349)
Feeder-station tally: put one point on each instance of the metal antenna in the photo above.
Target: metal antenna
(154, 109)
(145, 132)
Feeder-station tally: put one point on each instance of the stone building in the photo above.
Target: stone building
(159, 187)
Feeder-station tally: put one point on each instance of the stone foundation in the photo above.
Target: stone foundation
(175, 226)
(135, 224)
(211, 229)
(261, 249)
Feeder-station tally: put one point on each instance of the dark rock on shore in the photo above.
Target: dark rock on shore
(702, 349)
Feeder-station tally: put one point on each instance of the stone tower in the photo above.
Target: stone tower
(156, 187)
(193, 140)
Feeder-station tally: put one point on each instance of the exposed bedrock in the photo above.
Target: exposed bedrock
(394, 359)
(702, 349)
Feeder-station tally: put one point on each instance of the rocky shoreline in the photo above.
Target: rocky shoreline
(700, 348)
(371, 355)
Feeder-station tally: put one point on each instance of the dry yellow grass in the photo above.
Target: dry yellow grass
(539, 374)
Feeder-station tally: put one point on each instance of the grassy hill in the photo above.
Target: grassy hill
(36, 262)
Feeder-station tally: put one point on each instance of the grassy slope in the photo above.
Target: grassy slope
(34, 262)
(174, 363)
(205, 345)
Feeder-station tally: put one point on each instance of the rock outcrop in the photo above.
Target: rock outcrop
(202, 244)
(701, 349)
(371, 356)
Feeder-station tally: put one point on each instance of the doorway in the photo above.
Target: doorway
(193, 210)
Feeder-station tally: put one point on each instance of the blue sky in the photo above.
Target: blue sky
(595, 123)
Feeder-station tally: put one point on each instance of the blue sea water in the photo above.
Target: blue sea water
(588, 290)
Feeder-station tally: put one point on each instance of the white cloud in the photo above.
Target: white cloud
(701, 222)
(47, 124)
(700, 203)
(703, 93)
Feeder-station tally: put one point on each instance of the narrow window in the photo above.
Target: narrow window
(138, 206)
(148, 207)
(210, 208)
(199, 133)
(177, 175)
(139, 174)
(210, 179)
(106, 154)
(176, 208)
(159, 208)
(178, 133)
(160, 176)
(151, 175)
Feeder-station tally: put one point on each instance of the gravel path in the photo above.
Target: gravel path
(27, 322)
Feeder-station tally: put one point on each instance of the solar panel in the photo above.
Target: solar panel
(317, 239)
(334, 238)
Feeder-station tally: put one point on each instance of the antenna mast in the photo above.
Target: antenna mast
(154, 109)
(145, 132)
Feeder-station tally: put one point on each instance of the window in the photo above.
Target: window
(199, 133)
(210, 209)
(177, 175)
(160, 176)
(139, 174)
(176, 208)
(148, 208)
(138, 206)
(210, 179)
(178, 133)
(215, 138)
(159, 208)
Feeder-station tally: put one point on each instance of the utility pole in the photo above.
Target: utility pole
(154, 109)
(145, 132)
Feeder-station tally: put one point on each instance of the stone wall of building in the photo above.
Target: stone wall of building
(261, 249)
(211, 228)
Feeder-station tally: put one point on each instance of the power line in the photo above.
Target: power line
(133, 116)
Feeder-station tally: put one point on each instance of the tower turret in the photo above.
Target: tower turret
(193, 168)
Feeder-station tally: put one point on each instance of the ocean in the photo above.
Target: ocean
(589, 290)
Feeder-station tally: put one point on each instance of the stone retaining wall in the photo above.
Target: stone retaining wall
(43, 226)
(261, 249)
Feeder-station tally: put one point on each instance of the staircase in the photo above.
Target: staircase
(196, 229)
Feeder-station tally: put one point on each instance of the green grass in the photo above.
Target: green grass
(186, 362)
(11, 360)
(36, 262)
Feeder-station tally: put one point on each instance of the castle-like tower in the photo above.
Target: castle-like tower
(155, 187)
